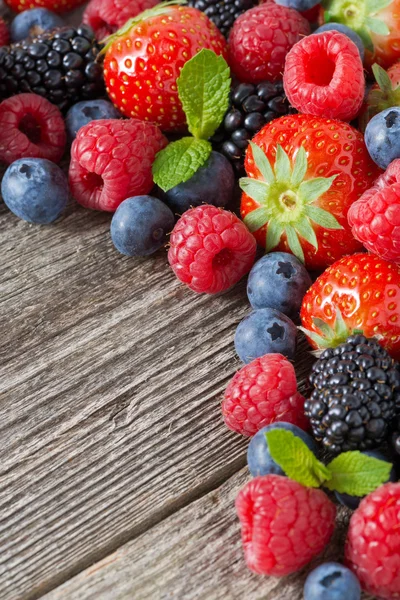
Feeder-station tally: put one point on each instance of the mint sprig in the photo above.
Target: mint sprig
(203, 88)
(350, 473)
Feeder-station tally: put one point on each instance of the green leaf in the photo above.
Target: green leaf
(179, 161)
(342, 332)
(366, 38)
(377, 26)
(295, 458)
(203, 86)
(319, 340)
(357, 474)
(300, 167)
(312, 189)
(324, 328)
(274, 234)
(293, 242)
(256, 189)
(374, 6)
(262, 163)
(305, 229)
(382, 78)
(322, 217)
(256, 219)
(283, 170)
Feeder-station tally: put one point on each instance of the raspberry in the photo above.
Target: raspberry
(260, 40)
(261, 393)
(210, 249)
(324, 76)
(31, 127)
(373, 542)
(106, 16)
(111, 160)
(4, 34)
(284, 524)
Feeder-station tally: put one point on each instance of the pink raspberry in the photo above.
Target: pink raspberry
(31, 127)
(106, 16)
(284, 524)
(210, 249)
(260, 39)
(111, 160)
(4, 33)
(261, 393)
(373, 542)
(324, 76)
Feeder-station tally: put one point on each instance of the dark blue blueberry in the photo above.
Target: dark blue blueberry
(33, 22)
(354, 501)
(140, 225)
(265, 331)
(259, 459)
(35, 189)
(213, 184)
(84, 112)
(332, 581)
(346, 31)
(278, 280)
(382, 136)
(300, 5)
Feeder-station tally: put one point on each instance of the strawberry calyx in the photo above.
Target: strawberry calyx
(286, 200)
(329, 336)
(387, 94)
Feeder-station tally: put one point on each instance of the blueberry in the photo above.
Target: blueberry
(213, 184)
(278, 280)
(346, 31)
(35, 189)
(300, 5)
(84, 112)
(354, 501)
(332, 581)
(382, 136)
(258, 457)
(265, 331)
(33, 22)
(140, 225)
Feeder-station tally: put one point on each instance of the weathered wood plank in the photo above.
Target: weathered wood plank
(194, 554)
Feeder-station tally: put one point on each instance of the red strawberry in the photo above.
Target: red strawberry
(357, 293)
(383, 94)
(144, 58)
(106, 16)
(285, 208)
(59, 6)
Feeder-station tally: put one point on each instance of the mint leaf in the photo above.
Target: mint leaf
(357, 474)
(295, 458)
(322, 217)
(203, 87)
(179, 161)
(256, 219)
(262, 163)
(377, 26)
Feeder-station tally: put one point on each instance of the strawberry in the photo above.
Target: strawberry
(383, 94)
(321, 167)
(357, 293)
(144, 58)
(59, 6)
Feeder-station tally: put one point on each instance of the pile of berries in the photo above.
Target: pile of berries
(164, 122)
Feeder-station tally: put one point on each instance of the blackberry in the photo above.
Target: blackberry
(61, 66)
(252, 107)
(356, 395)
(223, 13)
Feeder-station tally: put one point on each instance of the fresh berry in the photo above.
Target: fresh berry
(84, 112)
(252, 108)
(210, 249)
(140, 225)
(4, 33)
(259, 459)
(31, 127)
(278, 280)
(382, 136)
(324, 76)
(260, 40)
(61, 66)
(34, 22)
(383, 94)
(107, 16)
(356, 391)
(223, 12)
(300, 5)
(284, 524)
(334, 151)
(57, 7)
(35, 189)
(111, 160)
(373, 542)
(265, 331)
(353, 502)
(332, 581)
(143, 61)
(261, 393)
(212, 183)
(364, 292)
(351, 34)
